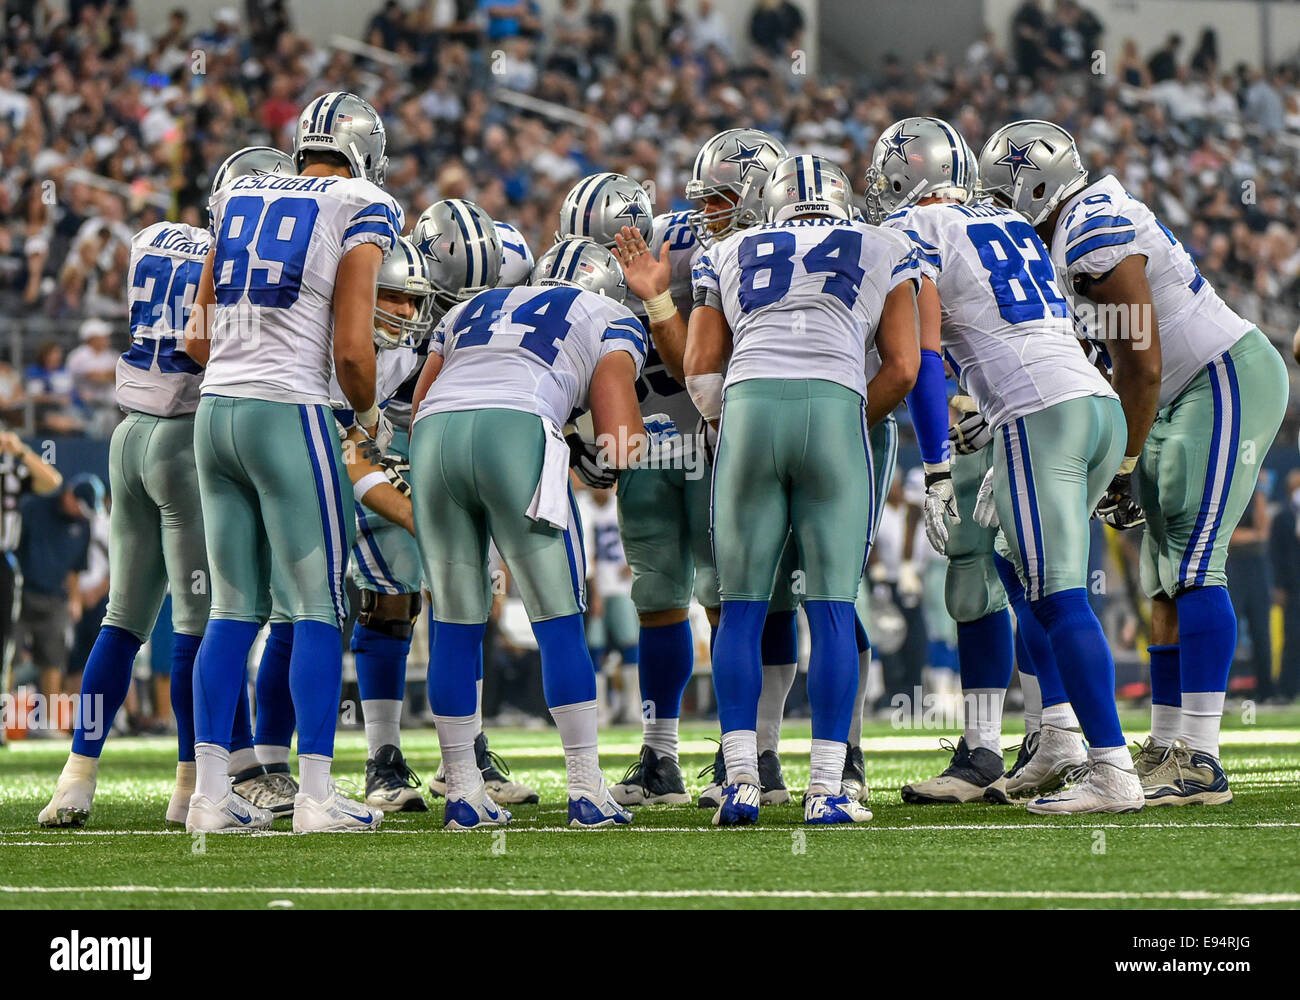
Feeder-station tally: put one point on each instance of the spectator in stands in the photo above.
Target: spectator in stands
(1251, 589)
(1163, 64)
(49, 386)
(13, 396)
(1029, 37)
(774, 26)
(93, 367)
(1284, 550)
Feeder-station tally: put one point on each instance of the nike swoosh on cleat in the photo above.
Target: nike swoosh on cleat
(242, 819)
(367, 819)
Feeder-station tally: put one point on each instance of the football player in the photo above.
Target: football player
(516, 258)
(489, 463)
(1183, 364)
(1007, 333)
(288, 286)
(156, 530)
(788, 309)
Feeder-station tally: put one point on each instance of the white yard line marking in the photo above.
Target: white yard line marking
(1193, 896)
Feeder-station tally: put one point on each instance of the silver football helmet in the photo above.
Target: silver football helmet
(406, 272)
(462, 249)
(344, 123)
(734, 163)
(582, 264)
(1031, 167)
(807, 184)
(516, 258)
(250, 160)
(918, 158)
(599, 206)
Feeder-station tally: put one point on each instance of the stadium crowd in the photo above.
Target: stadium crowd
(107, 125)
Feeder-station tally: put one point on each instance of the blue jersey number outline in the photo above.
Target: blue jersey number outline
(1035, 277)
(259, 226)
(839, 254)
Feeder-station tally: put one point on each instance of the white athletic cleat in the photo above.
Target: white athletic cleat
(178, 806)
(233, 814)
(1055, 753)
(70, 804)
(270, 787)
(822, 807)
(1094, 787)
(334, 814)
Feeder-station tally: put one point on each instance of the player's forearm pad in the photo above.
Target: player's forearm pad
(928, 405)
(706, 394)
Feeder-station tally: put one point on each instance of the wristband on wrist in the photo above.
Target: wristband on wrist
(1128, 465)
(366, 483)
(369, 417)
(660, 307)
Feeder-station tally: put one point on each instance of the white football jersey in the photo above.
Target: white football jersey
(278, 246)
(533, 348)
(1102, 225)
(392, 369)
(803, 297)
(155, 375)
(658, 391)
(1008, 334)
(603, 544)
(516, 258)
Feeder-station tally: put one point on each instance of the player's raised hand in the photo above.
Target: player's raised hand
(647, 275)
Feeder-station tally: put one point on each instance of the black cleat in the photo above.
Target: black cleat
(651, 781)
(854, 782)
(711, 797)
(391, 785)
(496, 775)
(774, 792)
(972, 776)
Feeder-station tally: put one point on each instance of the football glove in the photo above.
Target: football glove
(383, 435)
(1117, 506)
(584, 459)
(986, 510)
(939, 506)
(398, 471)
(970, 433)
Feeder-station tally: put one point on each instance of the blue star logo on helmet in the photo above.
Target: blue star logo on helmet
(1017, 158)
(426, 247)
(896, 145)
(747, 157)
(632, 210)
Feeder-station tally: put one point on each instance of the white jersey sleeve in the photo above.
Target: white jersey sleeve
(279, 242)
(1101, 226)
(529, 348)
(1008, 333)
(155, 375)
(803, 298)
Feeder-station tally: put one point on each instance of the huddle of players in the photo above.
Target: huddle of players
(771, 297)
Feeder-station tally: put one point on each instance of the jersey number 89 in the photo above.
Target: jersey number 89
(278, 235)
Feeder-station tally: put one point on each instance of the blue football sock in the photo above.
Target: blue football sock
(1031, 638)
(184, 649)
(104, 684)
(832, 668)
(219, 673)
(241, 733)
(1207, 639)
(780, 641)
(1084, 660)
(984, 651)
(316, 682)
(1165, 688)
(568, 676)
(275, 718)
(632, 656)
(452, 662)
(713, 638)
(738, 664)
(381, 664)
(666, 660)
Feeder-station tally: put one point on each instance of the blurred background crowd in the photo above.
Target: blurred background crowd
(109, 123)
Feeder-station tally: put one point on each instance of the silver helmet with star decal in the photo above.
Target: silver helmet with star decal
(733, 164)
(462, 248)
(807, 184)
(1031, 167)
(344, 123)
(598, 207)
(250, 160)
(581, 264)
(918, 158)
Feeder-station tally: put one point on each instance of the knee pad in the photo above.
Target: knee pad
(396, 628)
(972, 589)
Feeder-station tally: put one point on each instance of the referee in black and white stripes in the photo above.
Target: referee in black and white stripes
(22, 471)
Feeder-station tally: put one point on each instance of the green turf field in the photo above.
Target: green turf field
(937, 857)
